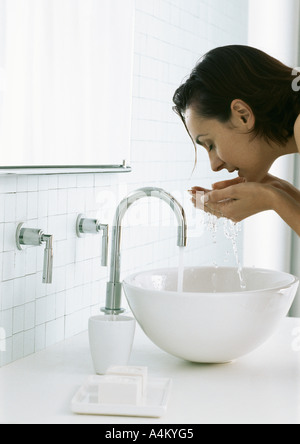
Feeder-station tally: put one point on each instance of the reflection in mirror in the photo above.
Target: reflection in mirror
(65, 82)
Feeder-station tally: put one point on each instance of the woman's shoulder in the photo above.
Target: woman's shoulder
(297, 132)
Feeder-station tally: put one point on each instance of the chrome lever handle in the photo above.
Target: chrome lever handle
(104, 256)
(48, 259)
(93, 226)
(36, 237)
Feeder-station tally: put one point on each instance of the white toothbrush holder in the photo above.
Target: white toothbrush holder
(111, 339)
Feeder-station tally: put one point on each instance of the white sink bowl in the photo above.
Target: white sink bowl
(212, 320)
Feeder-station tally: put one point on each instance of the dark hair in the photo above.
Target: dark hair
(241, 72)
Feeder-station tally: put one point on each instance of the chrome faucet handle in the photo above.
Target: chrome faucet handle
(93, 226)
(48, 259)
(36, 237)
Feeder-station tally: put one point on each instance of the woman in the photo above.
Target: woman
(242, 106)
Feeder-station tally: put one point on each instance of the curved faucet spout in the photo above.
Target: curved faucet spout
(114, 286)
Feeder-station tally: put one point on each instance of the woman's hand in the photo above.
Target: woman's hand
(233, 199)
(200, 195)
(236, 199)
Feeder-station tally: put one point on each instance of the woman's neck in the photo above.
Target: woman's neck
(291, 147)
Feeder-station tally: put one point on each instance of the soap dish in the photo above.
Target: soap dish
(155, 403)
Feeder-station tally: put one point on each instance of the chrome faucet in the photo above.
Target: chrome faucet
(114, 286)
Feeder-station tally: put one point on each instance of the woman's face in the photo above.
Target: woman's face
(230, 146)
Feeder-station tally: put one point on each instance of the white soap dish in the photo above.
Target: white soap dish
(154, 405)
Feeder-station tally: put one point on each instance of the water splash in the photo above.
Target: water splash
(211, 222)
(231, 232)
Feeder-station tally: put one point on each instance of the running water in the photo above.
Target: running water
(180, 270)
(231, 232)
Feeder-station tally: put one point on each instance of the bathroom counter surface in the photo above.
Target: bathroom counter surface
(261, 388)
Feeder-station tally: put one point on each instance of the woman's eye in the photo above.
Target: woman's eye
(210, 148)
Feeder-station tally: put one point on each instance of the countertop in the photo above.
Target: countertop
(260, 388)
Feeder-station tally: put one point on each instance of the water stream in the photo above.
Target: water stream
(231, 232)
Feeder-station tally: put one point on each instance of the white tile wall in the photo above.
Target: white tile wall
(170, 37)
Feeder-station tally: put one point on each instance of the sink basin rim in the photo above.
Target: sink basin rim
(130, 278)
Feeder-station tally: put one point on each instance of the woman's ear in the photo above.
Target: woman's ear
(242, 114)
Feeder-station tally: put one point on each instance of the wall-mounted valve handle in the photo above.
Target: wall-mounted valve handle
(93, 226)
(36, 237)
(48, 259)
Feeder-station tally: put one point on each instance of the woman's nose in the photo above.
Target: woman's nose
(216, 163)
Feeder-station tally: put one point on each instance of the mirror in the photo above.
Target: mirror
(65, 83)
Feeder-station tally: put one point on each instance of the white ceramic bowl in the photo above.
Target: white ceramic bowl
(212, 320)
